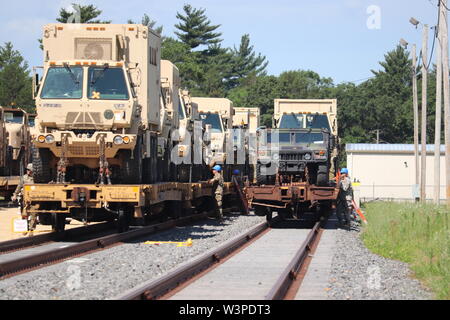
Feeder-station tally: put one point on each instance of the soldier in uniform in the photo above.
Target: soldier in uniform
(18, 195)
(344, 202)
(217, 182)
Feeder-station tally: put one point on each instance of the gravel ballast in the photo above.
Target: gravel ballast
(358, 274)
(107, 273)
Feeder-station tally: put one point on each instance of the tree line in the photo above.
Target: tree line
(382, 103)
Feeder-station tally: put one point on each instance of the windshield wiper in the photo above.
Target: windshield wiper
(100, 75)
(72, 75)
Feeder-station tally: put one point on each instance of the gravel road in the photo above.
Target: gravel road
(358, 274)
(107, 273)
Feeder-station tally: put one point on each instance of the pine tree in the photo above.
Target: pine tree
(86, 14)
(147, 21)
(195, 28)
(15, 81)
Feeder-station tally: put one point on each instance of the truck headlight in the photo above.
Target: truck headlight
(118, 140)
(307, 156)
(49, 138)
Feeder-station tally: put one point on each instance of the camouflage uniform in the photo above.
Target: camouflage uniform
(18, 194)
(344, 203)
(217, 181)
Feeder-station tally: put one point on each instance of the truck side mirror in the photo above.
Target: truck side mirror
(35, 85)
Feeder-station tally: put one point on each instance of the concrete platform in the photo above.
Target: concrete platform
(314, 285)
(250, 274)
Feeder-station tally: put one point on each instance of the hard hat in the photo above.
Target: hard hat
(30, 166)
(217, 167)
(344, 170)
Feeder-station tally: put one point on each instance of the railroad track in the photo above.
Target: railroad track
(251, 266)
(41, 239)
(10, 266)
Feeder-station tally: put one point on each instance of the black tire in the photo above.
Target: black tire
(132, 169)
(41, 165)
(261, 211)
(58, 222)
(123, 221)
(183, 171)
(322, 176)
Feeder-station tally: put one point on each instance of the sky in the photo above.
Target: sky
(341, 39)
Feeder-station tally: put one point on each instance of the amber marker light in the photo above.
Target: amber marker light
(41, 139)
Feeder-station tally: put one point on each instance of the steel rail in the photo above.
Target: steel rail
(281, 287)
(154, 289)
(16, 244)
(11, 267)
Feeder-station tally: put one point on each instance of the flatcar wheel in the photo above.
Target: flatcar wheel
(123, 223)
(58, 222)
(269, 216)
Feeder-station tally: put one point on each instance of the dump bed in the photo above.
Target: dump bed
(321, 106)
(246, 116)
(222, 106)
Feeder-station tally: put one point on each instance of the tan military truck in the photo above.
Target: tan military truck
(304, 141)
(246, 117)
(98, 104)
(17, 141)
(217, 117)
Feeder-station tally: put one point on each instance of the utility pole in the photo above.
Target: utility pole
(437, 126)
(444, 37)
(423, 167)
(416, 119)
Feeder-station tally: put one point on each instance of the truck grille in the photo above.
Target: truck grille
(291, 156)
(83, 119)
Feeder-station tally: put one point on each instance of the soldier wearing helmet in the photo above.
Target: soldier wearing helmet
(27, 178)
(344, 201)
(217, 182)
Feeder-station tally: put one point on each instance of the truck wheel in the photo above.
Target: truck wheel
(322, 176)
(41, 165)
(132, 168)
(260, 179)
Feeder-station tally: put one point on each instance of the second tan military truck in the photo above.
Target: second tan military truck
(217, 117)
(303, 142)
(17, 140)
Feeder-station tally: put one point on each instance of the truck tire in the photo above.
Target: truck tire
(132, 168)
(322, 176)
(41, 165)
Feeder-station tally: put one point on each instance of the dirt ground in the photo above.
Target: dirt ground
(6, 218)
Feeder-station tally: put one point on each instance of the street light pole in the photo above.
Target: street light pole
(423, 167)
(444, 37)
(437, 125)
(416, 121)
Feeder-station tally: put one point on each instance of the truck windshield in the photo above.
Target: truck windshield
(214, 120)
(304, 121)
(291, 121)
(107, 84)
(181, 114)
(63, 83)
(14, 117)
(317, 121)
(307, 137)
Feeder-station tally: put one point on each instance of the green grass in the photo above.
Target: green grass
(418, 234)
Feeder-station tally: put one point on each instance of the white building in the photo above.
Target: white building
(387, 171)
